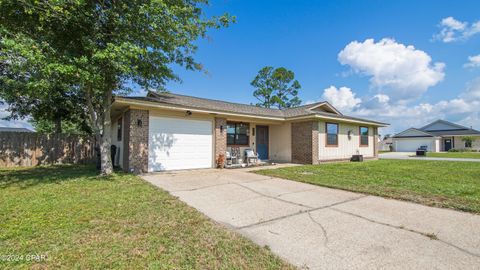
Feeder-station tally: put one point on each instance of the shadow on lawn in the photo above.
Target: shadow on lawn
(27, 177)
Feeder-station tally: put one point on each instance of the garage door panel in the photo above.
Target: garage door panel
(176, 144)
(411, 145)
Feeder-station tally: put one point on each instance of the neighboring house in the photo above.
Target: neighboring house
(10, 129)
(438, 136)
(172, 132)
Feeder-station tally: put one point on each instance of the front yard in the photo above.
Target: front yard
(455, 154)
(435, 183)
(66, 217)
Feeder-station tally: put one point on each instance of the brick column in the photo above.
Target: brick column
(305, 142)
(220, 137)
(315, 126)
(135, 144)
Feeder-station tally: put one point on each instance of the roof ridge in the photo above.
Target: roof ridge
(445, 121)
(417, 129)
(223, 101)
(308, 105)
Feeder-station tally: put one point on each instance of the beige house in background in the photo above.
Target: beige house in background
(172, 132)
(437, 136)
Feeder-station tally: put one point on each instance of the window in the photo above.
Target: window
(119, 130)
(332, 134)
(363, 136)
(468, 144)
(237, 133)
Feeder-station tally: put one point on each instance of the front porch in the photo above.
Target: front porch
(270, 142)
(456, 142)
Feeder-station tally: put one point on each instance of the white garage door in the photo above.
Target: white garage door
(176, 144)
(411, 145)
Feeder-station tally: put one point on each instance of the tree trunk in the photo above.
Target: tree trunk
(58, 125)
(102, 128)
(106, 140)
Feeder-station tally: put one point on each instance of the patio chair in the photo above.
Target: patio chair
(230, 159)
(235, 152)
(250, 155)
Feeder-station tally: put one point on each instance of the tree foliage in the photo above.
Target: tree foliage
(33, 87)
(87, 51)
(276, 88)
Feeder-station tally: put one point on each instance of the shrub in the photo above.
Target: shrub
(468, 140)
(463, 150)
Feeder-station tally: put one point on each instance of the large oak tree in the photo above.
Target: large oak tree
(95, 49)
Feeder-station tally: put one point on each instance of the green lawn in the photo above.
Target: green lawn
(435, 183)
(80, 221)
(455, 154)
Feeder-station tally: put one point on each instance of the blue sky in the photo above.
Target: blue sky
(307, 37)
(378, 75)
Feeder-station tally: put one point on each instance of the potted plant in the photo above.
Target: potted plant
(221, 161)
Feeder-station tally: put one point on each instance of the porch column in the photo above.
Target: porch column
(376, 142)
(220, 137)
(135, 144)
(305, 142)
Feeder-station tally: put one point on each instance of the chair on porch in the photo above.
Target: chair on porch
(250, 155)
(230, 159)
(234, 155)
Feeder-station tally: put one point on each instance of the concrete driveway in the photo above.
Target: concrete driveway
(321, 228)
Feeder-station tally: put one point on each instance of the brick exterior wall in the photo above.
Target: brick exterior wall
(220, 137)
(135, 144)
(305, 142)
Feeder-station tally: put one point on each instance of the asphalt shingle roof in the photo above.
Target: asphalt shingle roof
(212, 104)
(454, 132)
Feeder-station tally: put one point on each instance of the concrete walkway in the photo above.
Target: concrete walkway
(321, 228)
(408, 155)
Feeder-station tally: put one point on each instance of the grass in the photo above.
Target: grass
(435, 183)
(73, 219)
(455, 155)
(384, 151)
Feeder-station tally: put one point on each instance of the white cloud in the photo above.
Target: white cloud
(342, 98)
(402, 72)
(474, 29)
(472, 91)
(450, 29)
(452, 23)
(473, 61)
(454, 30)
(464, 109)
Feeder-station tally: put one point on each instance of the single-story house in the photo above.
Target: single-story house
(438, 136)
(164, 131)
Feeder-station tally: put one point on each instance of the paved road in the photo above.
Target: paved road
(321, 228)
(408, 155)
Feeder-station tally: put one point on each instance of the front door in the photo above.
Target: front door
(262, 142)
(447, 144)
